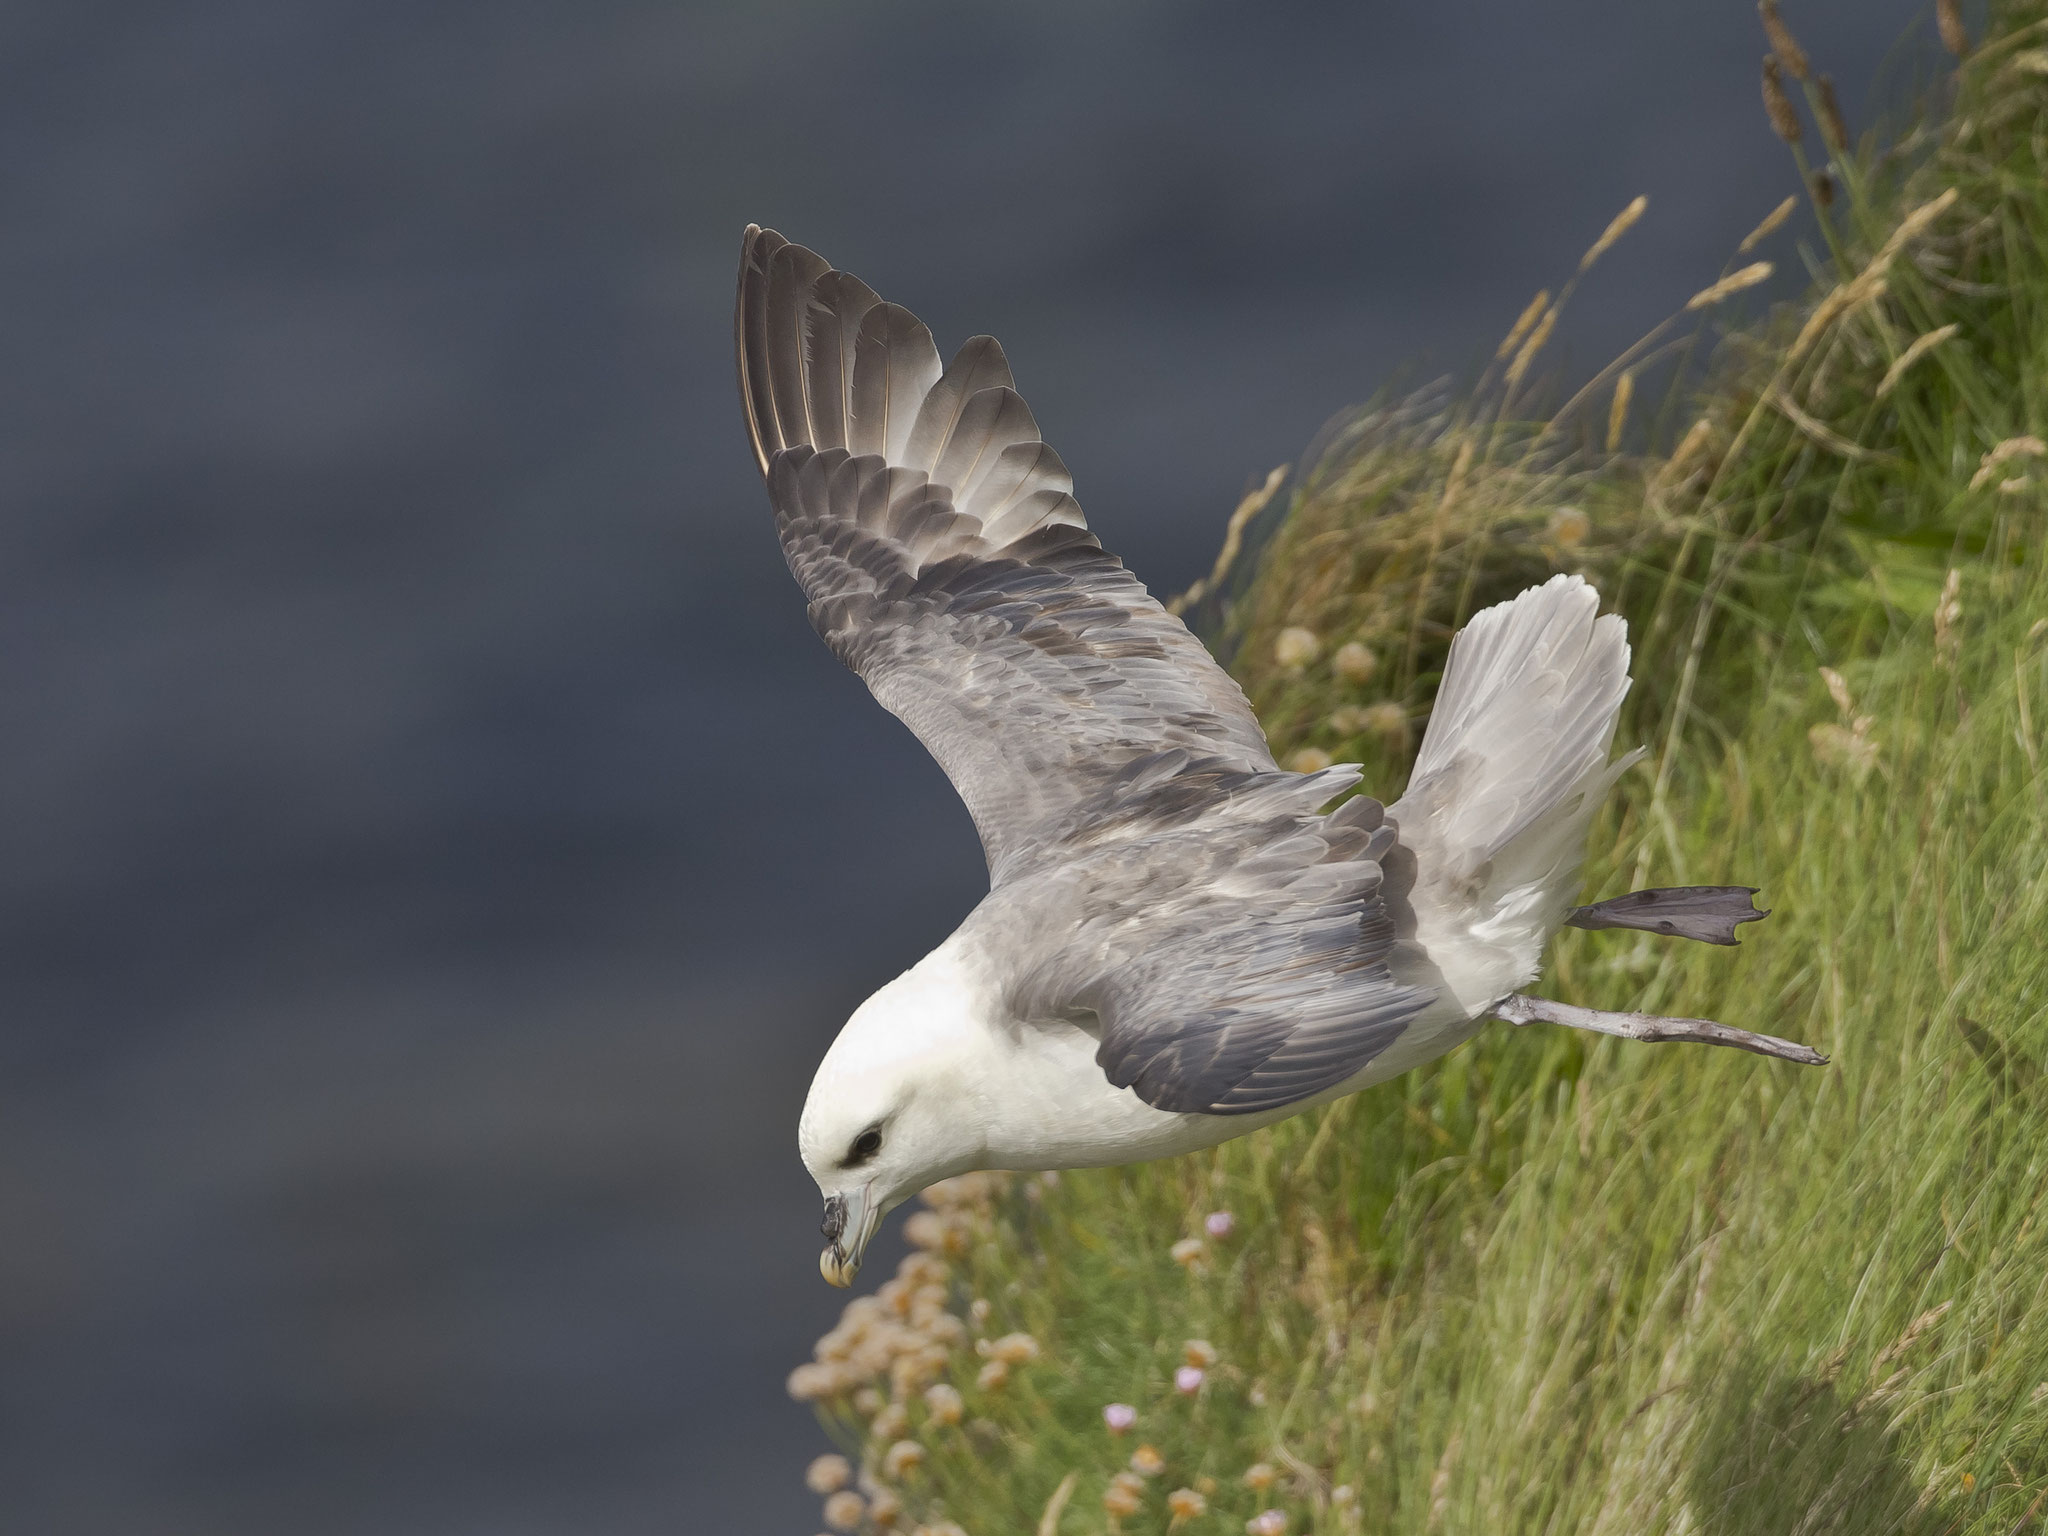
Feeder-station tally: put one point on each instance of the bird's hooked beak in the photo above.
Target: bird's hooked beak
(849, 1223)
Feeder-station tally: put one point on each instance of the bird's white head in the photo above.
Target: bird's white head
(898, 1104)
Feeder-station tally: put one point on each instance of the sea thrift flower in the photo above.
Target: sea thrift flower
(1187, 1251)
(1219, 1224)
(884, 1508)
(1387, 719)
(903, 1457)
(1147, 1462)
(943, 1404)
(943, 1528)
(1296, 647)
(1309, 760)
(1839, 748)
(992, 1376)
(1569, 526)
(1119, 1417)
(926, 1230)
(1188, 1380)
(1343, 1495)
(828, 1474)
(867, 1402)
(890, 1422)
(1272, 1523)
(1013, 1349)
(811, 1381)
(844, 1509)
(1354, 663)
(1186, 1504)
(1260, 1476)
(1199, 1352)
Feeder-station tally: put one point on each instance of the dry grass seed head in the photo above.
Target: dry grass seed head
(1832, 126)
(1838, 690)
(1910, 228)
(1693, 446)
(1734, 283)
(1838, 301)
(1528, 317)
(1618, 226)
(1948, 20)
(2012, 448)
(1784, 46)
(1534, 345)
(1920, 347)
(1777, 105)
(1772, 222)
(1617, 412)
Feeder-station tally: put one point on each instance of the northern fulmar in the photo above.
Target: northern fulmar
(1179, 944)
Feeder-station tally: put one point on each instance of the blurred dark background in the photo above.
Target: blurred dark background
(433, 849)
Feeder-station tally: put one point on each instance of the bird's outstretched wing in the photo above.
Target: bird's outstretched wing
(947, 563)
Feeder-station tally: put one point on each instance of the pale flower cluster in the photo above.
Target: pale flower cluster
(1848, 746)
(887, 1355)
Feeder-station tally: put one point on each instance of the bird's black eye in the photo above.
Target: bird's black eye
(865, 1146)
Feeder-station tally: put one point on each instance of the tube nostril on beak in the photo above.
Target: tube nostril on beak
(834, 1225)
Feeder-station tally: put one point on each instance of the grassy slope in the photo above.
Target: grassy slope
(1557, 1283)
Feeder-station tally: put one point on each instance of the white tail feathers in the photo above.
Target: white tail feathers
(1513, 767)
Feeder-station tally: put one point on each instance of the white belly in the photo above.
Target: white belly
(1055, 1109)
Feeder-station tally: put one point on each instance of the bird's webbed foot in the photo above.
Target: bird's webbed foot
(1709, 913)
(1523, 1009)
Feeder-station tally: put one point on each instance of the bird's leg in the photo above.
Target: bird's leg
(1709, 913)
(1523, 1009)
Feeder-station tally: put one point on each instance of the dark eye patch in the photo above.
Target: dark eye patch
(865, 1146)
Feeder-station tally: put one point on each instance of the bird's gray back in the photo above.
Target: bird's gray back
(1225, 943)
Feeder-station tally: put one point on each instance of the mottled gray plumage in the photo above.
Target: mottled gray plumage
(1156, 879)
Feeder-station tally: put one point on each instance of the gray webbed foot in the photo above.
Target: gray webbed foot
(1709, 913)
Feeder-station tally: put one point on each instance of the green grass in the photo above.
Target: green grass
(1565, 1284)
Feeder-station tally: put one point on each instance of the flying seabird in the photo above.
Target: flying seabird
(1179, 944)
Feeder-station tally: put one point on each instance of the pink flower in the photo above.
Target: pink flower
(1119, 1417)
(1272, 1522)
(1188, 1380)
(1219, 1224)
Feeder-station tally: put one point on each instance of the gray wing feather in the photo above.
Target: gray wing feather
(947, 562)
(1228, 945)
